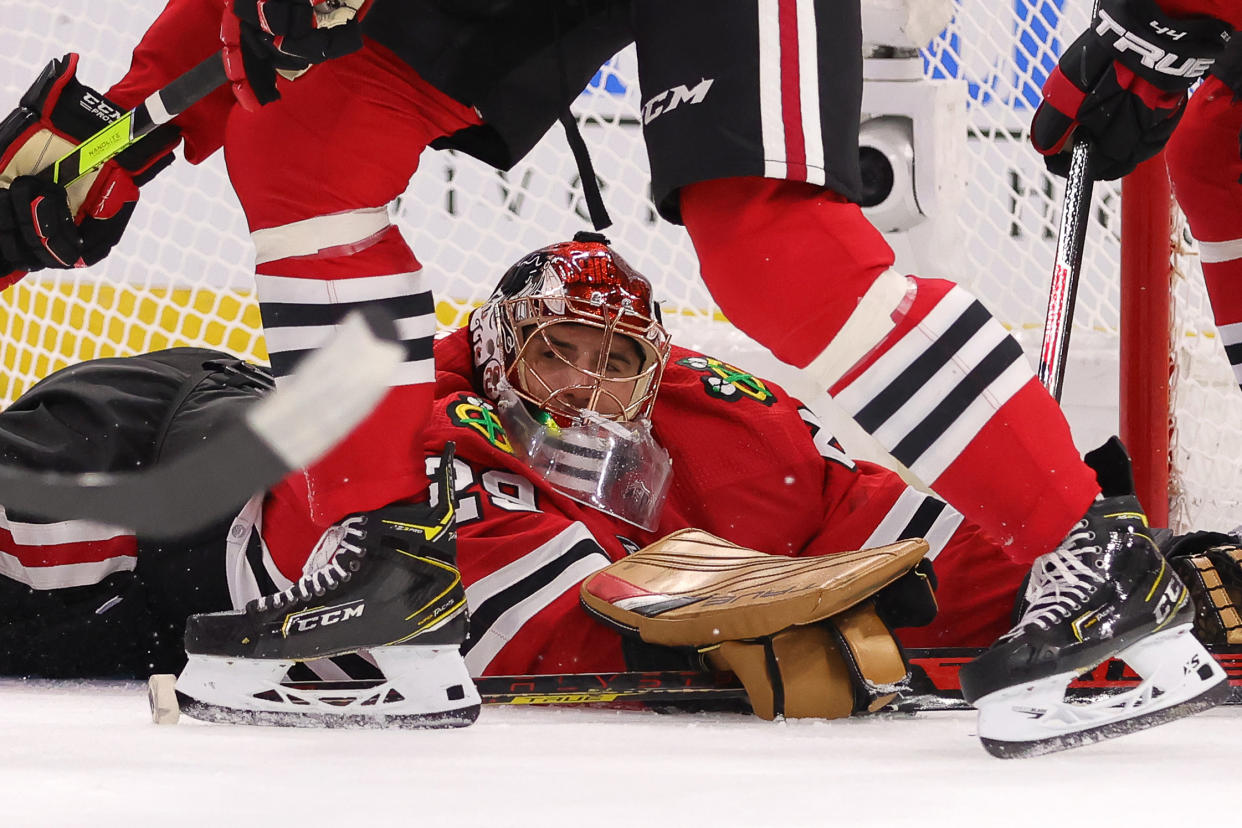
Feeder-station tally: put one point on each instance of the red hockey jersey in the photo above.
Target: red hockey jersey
(750, 464)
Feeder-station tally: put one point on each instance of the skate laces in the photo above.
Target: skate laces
(1061, 580)
(343, 538)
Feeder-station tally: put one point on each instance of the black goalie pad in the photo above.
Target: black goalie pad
(1211, 565)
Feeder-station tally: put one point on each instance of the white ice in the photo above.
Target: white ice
(88, 754)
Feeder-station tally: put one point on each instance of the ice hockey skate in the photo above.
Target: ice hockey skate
(391, 592)
(1105, 592)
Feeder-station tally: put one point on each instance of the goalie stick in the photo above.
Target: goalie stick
(331, 391)
(933, 684)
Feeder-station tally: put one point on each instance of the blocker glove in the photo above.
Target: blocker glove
(1123, 85)
(43, 224)
(265, 37)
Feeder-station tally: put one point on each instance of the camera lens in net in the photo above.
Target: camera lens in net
(877, 176)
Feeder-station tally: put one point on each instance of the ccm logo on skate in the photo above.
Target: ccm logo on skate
(323, 617)
(670, 99)
(1169, 601)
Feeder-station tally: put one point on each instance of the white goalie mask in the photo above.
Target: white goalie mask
(571, 349)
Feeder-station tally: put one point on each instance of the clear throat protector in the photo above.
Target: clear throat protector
(614, 466)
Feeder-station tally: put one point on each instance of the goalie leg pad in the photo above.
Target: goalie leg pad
(1214, 578)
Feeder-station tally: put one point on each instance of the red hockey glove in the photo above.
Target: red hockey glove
(1123, 85)
(264, 37)
(44, 224)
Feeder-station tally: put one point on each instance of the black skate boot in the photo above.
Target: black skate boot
(1105, 592)
(392, 589)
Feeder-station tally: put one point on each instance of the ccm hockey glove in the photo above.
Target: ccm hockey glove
(266, 37)
(43, 224)
(1123, 85)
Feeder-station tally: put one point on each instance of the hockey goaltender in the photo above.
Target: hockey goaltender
(612, 502)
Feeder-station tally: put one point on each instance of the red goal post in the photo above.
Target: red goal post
(1145, 364)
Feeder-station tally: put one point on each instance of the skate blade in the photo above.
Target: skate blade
(422, 687)
(1180, 678)
(1002, 749)
(218, 714)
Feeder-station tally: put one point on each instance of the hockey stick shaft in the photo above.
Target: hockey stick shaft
(667, 686)
(1063, 293)
(159, 108)
(1067, 265)
(934, 683)
(332, 390)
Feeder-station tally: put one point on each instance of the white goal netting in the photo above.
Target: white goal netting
(182, 275)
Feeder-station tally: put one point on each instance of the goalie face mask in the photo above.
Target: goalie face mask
(571, 349)
(572, 329)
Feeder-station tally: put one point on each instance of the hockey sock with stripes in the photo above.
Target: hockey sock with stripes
(919, 363)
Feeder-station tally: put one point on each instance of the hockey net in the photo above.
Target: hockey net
(183, 273)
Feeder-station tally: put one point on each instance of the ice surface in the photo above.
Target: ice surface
(87, 754)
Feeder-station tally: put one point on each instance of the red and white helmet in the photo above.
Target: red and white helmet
(583, 283)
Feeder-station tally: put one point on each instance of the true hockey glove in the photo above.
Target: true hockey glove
(43, 224)
(807, 637)
(266, 37)
(1211, 565)
(1123, 85)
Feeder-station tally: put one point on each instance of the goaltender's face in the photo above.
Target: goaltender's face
(565, 366)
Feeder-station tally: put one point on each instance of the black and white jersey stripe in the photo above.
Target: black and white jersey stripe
(299, 315)
(932, 391)
(917, 515)
(825, 443)
(503, 601)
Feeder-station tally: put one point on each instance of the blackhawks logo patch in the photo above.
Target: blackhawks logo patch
(726, 382)
(477, 414)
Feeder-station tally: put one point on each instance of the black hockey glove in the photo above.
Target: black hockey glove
(1123, 85)
(1210, 563)
(266, 37)
(44, 224)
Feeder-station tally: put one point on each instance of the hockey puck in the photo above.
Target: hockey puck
(162, 696)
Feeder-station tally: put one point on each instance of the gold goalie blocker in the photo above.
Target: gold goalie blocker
(807, 637)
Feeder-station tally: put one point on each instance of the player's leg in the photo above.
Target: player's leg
(1205, 164)
(753, 163)
(314, 172)
(918, 362)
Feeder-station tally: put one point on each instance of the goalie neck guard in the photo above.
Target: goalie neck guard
(571, 349)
